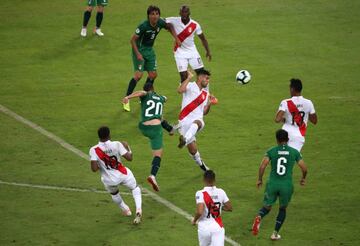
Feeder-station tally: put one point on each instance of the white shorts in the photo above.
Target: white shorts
(184, 127)
(183, 63)
(207, 238)
(129, 181)
(296, 142)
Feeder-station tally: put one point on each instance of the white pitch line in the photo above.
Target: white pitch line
(81, 154)
(61, 188)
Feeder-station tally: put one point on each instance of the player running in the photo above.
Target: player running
(294, 113)
(143, 54)
(282, 159)
(99, 16)
(152, 105)
(106, 157)
(195, 104)
(186, 54)
(210, 201)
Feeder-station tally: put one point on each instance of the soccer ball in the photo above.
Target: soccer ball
(243, 77)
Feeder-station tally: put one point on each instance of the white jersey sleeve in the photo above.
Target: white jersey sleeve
(283, 106)
(93, 156)
(198, 30)
(224, 196)
(170, 20)
(312, 109)
(199, 197)
(122, 150)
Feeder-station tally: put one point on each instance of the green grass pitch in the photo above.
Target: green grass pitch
(71, 85)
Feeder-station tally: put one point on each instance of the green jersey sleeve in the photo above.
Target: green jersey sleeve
(161, 23)
(140, 29)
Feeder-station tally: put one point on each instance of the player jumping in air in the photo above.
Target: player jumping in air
(143, 54)
(196, 103)
(282, 159)
(99, 16)
(106, 157)
(210, 202)
(294, 113)
(152, 105)
(186, 54)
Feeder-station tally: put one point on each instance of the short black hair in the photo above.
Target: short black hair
(152, 8)
(296, 84)
(209, 176)
(184, 7)
(203, 72)
(104, 132)
(282, 136)
(148, 87)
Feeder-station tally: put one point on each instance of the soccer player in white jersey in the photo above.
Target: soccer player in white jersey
(196, 103)
(187, 54)
(295, 113)
(210, 201)
(106, 157)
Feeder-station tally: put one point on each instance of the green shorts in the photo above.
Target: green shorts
(149, 62)
(274, 190)
(154, 133)
(93, 3)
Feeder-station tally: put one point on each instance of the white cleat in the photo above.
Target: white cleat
(126, 210)
(275, 236)
(98, 32)
(83, 32)
(137, 219)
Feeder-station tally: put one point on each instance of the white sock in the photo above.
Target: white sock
(119, 201)
(197, 158)
(137, 198)
(191, 132)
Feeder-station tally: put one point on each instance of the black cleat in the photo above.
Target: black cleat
(182, 142)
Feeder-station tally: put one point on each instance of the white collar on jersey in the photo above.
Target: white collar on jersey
(108, 141)
(209, 187)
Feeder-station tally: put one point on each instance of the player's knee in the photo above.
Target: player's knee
(89, 8)
(268, 208)
(100, 9)
(138, 76)
(198, 122)
(152, 75)
(114, 193)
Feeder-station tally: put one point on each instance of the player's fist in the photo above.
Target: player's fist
(139, 57)
(259, 184)
(125, 100)
(302, 182)
(178, 42)
(193, 222)
(213, 100)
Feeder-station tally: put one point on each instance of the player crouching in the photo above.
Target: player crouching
(106, 157)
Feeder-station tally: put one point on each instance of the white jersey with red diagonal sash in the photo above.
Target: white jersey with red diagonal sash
(213, 198)
(193, 103)
(108, 156)
(186, 35)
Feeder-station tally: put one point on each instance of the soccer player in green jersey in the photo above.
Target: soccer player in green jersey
(282, 159)
(99, 16)
(143, 54)
(152, 105)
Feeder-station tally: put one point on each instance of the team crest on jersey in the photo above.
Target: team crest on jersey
(137, 30)
(190, 29)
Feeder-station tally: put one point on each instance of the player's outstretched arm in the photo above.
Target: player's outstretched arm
(170, 27)
(133, 95)
(227, 206)
(94, 166)
(262, 168)
(128, 155)
(303, 168)
(206, 46)
(182, 87)
(280, 116)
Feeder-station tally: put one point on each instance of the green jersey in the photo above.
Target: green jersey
(148, 33)
(152, 106)
(282, 158)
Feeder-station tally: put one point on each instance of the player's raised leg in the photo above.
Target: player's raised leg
(133, 81)
(257, 221)
(195, 154)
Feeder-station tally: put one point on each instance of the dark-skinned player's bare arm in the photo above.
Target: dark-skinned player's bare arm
(94, 166)
(280, 117)
(227, 206)
(171, 29)
(182, 87)
(313, 118)
(128, 155)
(200, 207)
(303, 168)
(206, 46)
